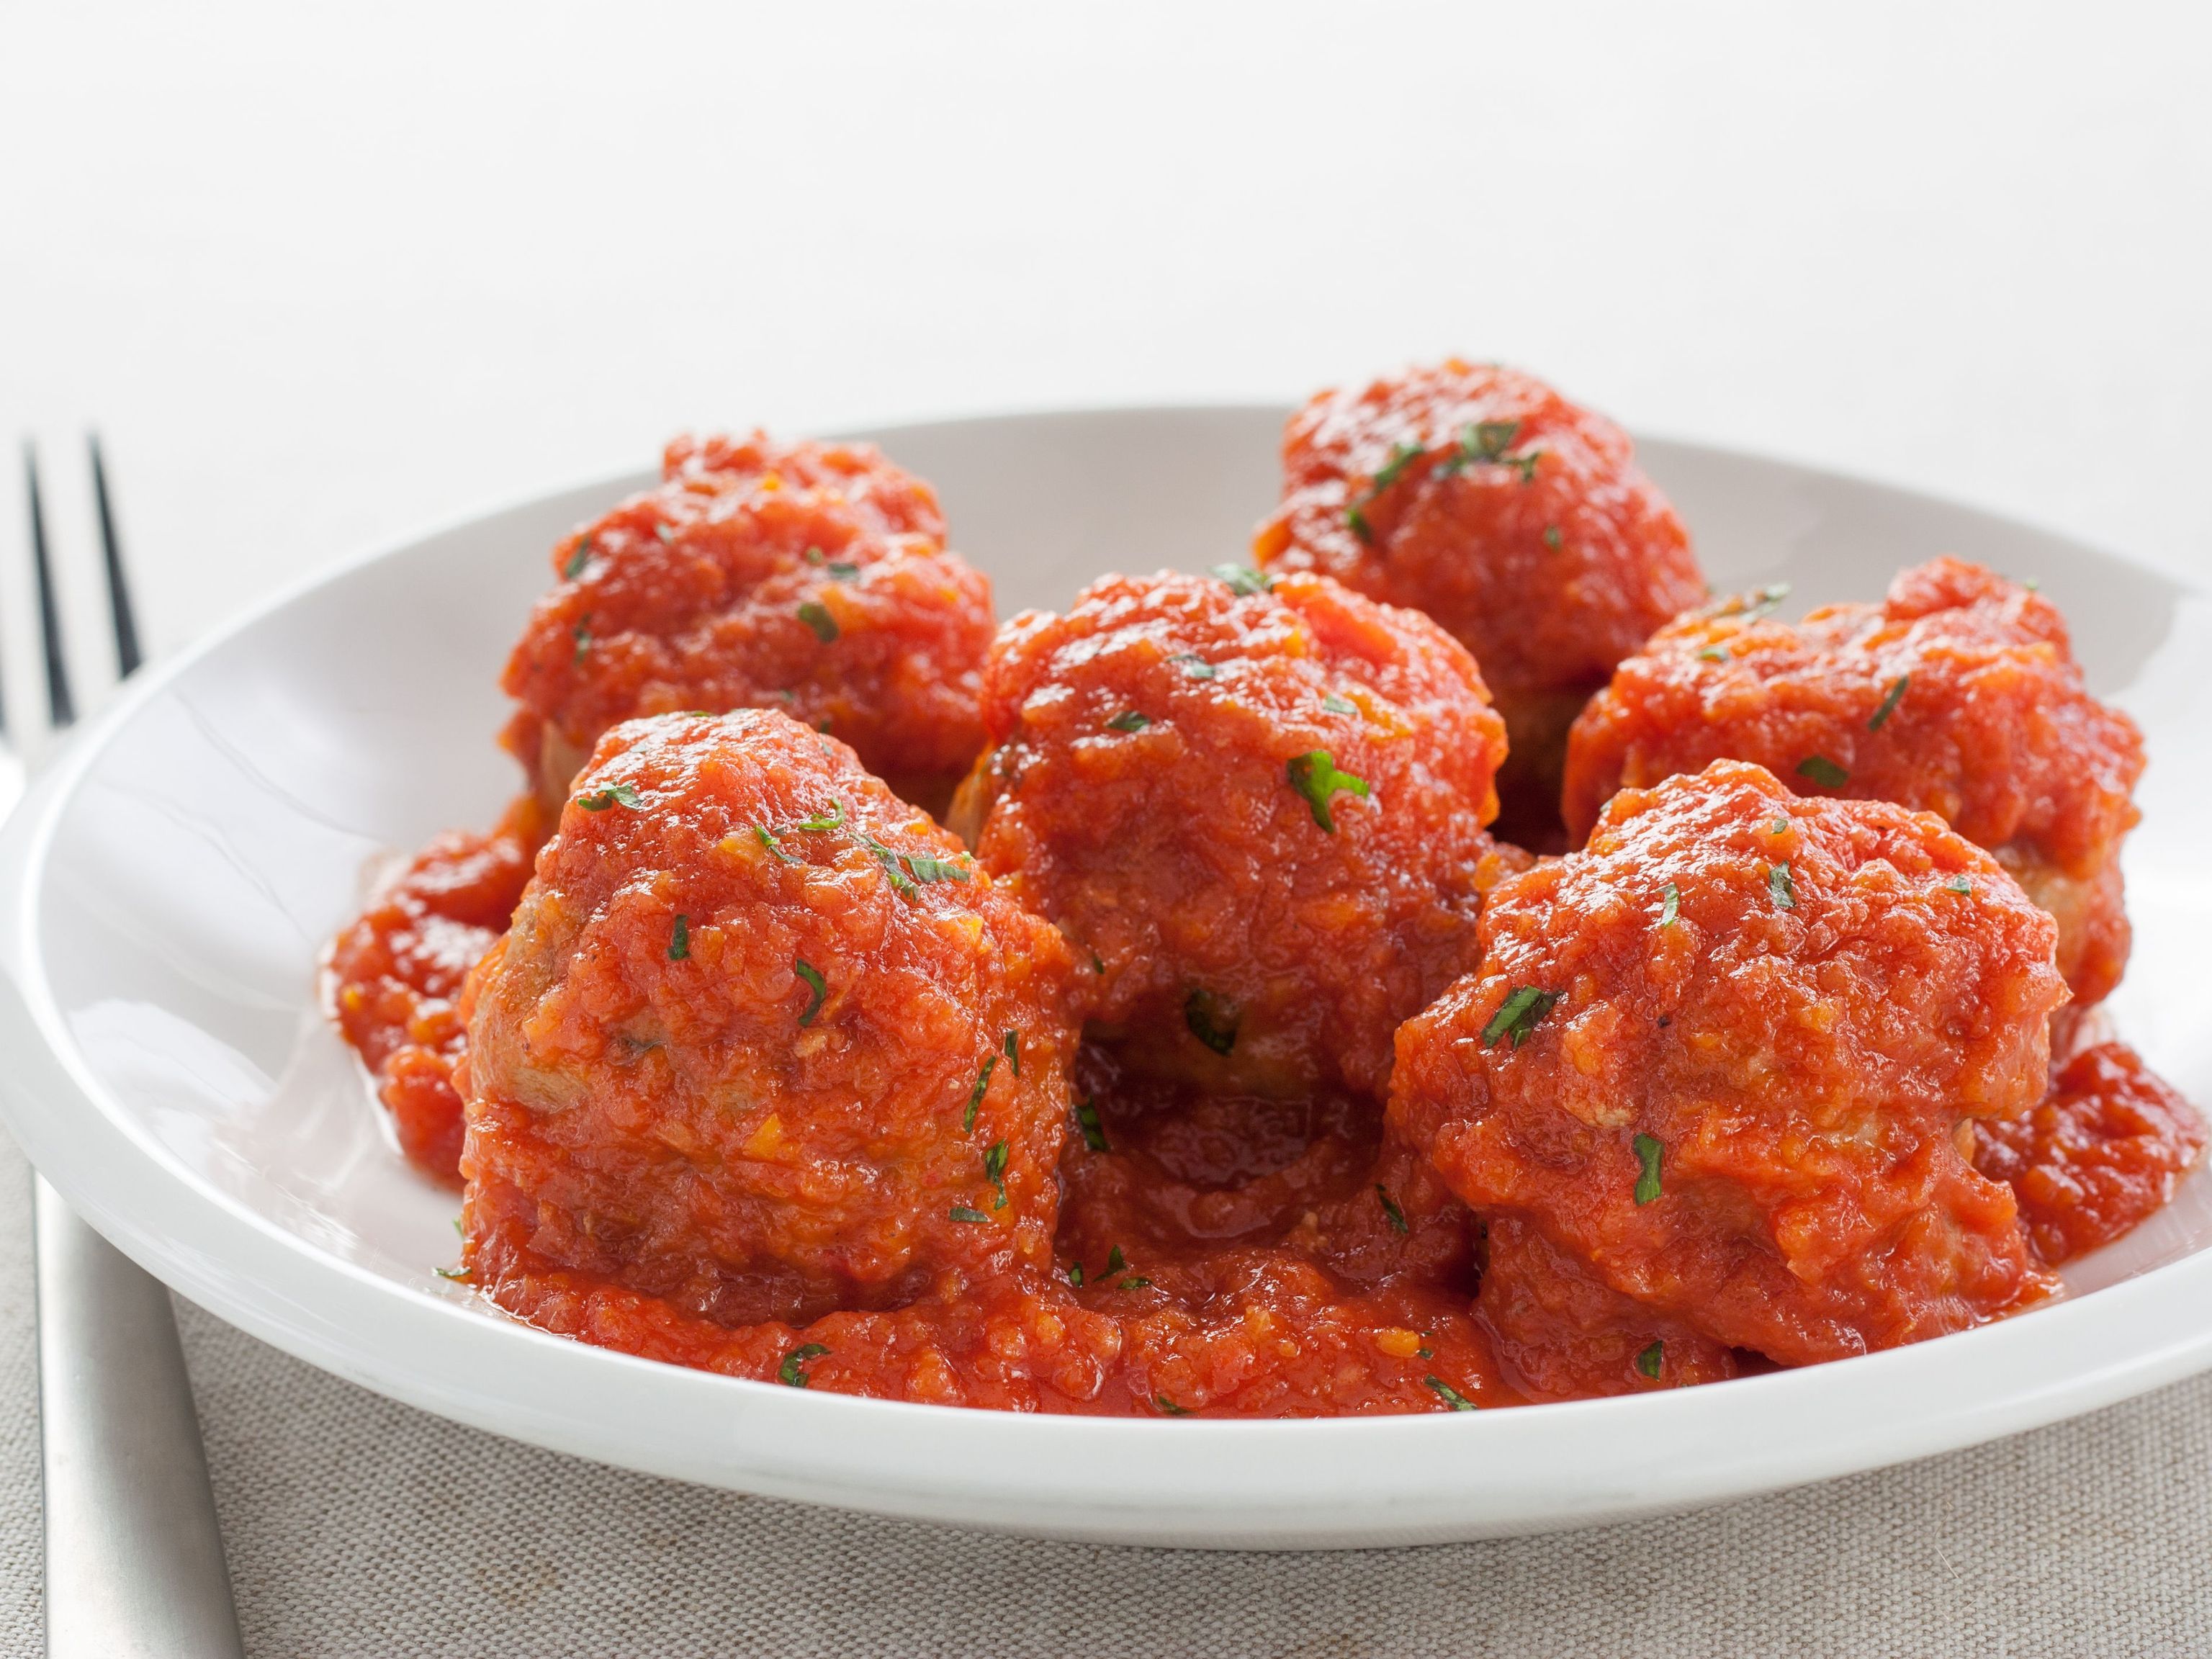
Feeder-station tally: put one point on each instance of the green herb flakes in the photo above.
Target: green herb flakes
(451, 1273)
(1242, 579)
(1517, 1015)
(1115, 1261)
(1890, 699)
(1782, 887)
(578, 559)
(923, 866)
(1451, 1396)
(1823, 771)
(1337, 705)
(789, 1373)
(1714, 653)
(1196, 665)
(582, 634)
(994, 1170)
(1390, 1208)
(1314, 774)
(766, 837)
(1647, 1361)
(1129, 720)
(828, 818)
(1484, 441)
(1075, 1274)
(1211, 1021)
(615, 794)
(1169, 1406)
(816, 616)
(1357, 520)
(815, 983)
(1649, 1150)
(680, 940)
(1086, 1119)
(975, 1094)
(901, 883)
(962, 1213)
(1670, 904)
(1403, 454)
(1959, 885)
(1551, 537)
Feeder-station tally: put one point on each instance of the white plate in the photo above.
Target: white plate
(166, 890)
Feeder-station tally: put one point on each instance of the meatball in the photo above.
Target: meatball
(2101, 1152)
(1958, 695)
(1520, 522)
(761, 1042)
(808, 578)
(1255, 809)
(396, 974)
(1724, 1057)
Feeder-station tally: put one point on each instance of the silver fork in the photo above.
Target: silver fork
(134, 1557)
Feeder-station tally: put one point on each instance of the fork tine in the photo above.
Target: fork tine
(127, 656)
(61, 708)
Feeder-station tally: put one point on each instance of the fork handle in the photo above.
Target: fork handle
(134, 1559)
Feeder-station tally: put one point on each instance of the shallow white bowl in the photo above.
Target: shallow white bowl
(165, 893)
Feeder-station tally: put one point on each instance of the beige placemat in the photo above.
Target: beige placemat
(359, 1527)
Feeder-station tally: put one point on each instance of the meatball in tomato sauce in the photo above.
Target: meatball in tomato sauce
(1726, 1060)
(1958, 695)
(1520, 522)
(1255, 809)
(761, 1042)
(811, 579)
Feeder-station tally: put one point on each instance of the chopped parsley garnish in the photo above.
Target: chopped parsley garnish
(766, 837)
(1115, 1262)
(994, 1170)
(1242, 579)
(1170, 1406)
(962, 1213)
(815, 983)
(578, 559)
(1823, 771)
(975, 1094)
(1647, 1361)
(1086, 1119)
(1890, 699)
(1670, 905)
(679, 941)
(1195, 665)
(451, 1273)
(582, 634)
(828, 819)
(901, 883)
(1551, 538)
(1765, 599)
(1485, 440)
(788, 1373)
(1781, 887)
(1778, 827)
(925, 868)
(1448, 1394)
(1358, 521)
(812, 555)
(1337, 705)
(1517, 1015)
(1097, 963)
(1314, 774)
(1390, 1208)
(1650, 1150)
(1203, 1013)
(1075, 1274)
(841, 570)
(1013, 1044)
(615, 794)
(1133, 1282)
(816, 615)
(1403, 454)
(1713, 653)
(1959, 885)
(1129, 720)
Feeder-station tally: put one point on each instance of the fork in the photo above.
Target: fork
(134, 1555)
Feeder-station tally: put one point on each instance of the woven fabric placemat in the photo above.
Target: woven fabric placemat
(357, 1525)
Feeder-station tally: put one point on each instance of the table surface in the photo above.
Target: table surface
(321, 278)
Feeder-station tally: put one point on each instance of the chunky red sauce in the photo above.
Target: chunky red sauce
(1238, 1070)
